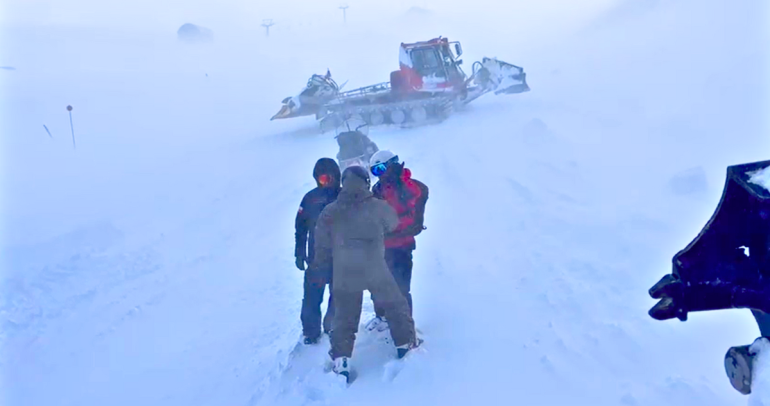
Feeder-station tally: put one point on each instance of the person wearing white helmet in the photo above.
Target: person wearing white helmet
(407, 196)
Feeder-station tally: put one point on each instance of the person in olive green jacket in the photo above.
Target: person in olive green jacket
(350, 233)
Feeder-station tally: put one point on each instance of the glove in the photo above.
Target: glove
(300, 263)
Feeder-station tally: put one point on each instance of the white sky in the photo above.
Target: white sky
(152, 14)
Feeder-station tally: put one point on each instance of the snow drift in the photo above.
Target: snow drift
(193, 33)
(760, 386)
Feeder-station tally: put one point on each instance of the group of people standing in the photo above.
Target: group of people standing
(356, 237)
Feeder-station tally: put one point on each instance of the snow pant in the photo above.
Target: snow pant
(387, 296)
(315, 286)
(763, 319)
(400, 263)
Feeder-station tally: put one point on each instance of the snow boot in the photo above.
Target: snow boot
(342, 367)
(738, 364)
(377, 323)
(310, 340)
(402, 350)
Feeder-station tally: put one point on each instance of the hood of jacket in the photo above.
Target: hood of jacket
(327, 166)
(355, 186)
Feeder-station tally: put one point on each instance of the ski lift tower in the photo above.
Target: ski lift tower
(344, 8)
(267, 23)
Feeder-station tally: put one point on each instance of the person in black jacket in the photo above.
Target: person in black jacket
(327, 175)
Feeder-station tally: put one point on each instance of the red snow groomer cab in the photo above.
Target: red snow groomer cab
(428, 67)
(428, 86)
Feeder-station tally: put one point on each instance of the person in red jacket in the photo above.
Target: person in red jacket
(408, 197)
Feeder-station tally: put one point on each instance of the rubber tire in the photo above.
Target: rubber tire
(418, 114)
(376, 118)
(330, 122)
(397, 116)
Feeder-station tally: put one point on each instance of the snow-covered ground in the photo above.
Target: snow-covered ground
(760, 395)
(153, 264)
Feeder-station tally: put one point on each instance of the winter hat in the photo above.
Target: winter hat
(358, 171)
(326, 166)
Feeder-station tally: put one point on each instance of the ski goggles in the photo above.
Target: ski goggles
(380, 168)
(324, 179)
